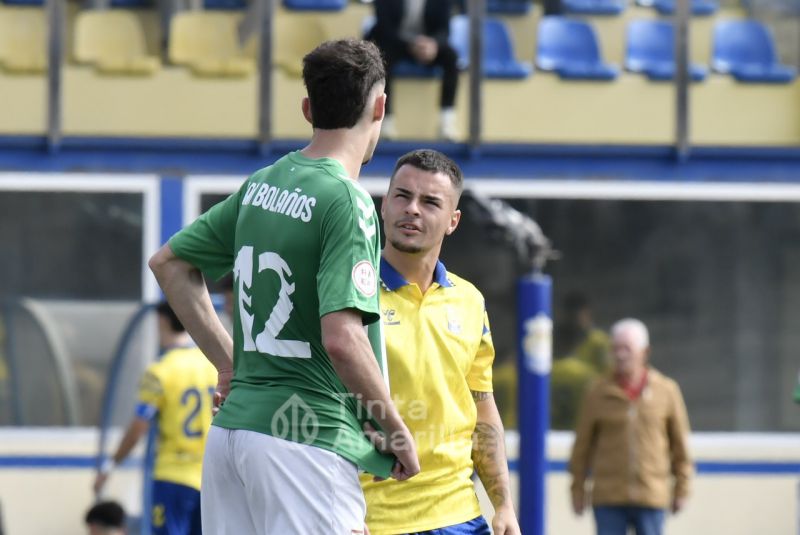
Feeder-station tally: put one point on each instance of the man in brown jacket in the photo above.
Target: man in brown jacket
(632, 441)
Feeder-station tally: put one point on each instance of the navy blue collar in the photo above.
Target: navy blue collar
(393, 280)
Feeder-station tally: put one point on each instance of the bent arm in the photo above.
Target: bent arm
(346, 342)
(186, 291)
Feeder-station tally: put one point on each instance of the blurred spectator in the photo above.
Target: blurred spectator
(418, 31)
(575, 334)
(632, 440)
(581, 354)
(106, 518)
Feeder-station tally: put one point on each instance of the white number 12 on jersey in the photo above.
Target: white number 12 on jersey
(267, 342)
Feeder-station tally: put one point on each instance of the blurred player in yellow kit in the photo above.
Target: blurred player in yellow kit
(440, 353)
(177, 393)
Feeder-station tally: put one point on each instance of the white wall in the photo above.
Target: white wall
(44, 501)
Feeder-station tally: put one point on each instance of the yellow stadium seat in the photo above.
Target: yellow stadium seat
(23, 40)
(296, 34)
(208, 43)
(113, 41)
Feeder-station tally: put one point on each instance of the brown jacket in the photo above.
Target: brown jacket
(632, 449)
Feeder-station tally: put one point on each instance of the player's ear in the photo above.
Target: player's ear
(454, 219)
(379, 109)
(307, 109)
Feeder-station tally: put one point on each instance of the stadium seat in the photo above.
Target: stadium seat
(208, 43)
(651, 50)
(570, 48)
(498, 51)
(207, 4)
(113, 41)
(594, 7)
(667, 7)
(23, 40)
(745, 49)
(315, 5)
(294, 37)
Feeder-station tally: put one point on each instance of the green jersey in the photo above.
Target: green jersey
(302, 241)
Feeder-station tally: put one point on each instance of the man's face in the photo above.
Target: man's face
(629, 355)
(419, 210)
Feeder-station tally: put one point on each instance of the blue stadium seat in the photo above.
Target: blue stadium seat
(133, 4)
(667, 7)
(570, 48)
(651, 50)
(498, 52)
(594, 7)
(315, 5)
(745, 49)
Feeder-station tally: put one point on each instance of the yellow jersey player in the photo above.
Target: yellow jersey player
(177, 393)
(439, 354)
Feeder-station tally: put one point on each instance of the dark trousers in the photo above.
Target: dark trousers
(446, 59)
(615, 520)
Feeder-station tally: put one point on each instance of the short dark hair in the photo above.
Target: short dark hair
(434, 162)
(163, 309)
(107, 514)
(339, 76)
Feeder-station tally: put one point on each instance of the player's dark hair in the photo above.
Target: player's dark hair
(163, 309)
(107, 514)
(435, 162)
(339, 76)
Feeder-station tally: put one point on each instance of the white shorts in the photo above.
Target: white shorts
(261, 485)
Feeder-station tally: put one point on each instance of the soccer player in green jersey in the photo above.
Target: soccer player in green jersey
(302, 373)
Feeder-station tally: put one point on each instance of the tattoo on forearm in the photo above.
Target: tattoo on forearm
(488, 454)
(480, 396)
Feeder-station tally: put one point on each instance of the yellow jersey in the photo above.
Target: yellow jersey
(439, 349)
(179, 389)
